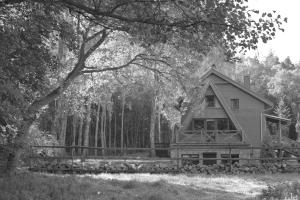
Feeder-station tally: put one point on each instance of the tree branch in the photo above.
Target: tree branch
(77, 6)
(97, 44)
(111, 68)
(70, 77)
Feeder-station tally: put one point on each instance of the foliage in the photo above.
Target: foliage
(25, 56)
(282, 110)
(282, 191)
(276, 80)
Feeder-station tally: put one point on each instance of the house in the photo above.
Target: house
(225, 121)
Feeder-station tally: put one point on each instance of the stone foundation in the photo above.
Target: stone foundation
(242, 153)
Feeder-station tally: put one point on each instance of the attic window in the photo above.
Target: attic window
(235, 103)
(210, 100)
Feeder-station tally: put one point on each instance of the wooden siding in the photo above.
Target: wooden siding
(248, 114)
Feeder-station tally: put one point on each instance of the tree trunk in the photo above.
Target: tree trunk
(115, 132)
(87, 129)
(126, 133)
(143, 134)
(152, 127)
(62, 136)
(80, 135)
(103, 120)
(122, 124)
(104, 129)
(109, 128)
(54, 127)
(136, 135)
(74, 132)
(30, 114)
(160, 139)
(97, 127)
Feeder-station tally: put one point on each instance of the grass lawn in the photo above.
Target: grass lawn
(36, 186)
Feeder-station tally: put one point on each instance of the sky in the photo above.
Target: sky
(286, 43)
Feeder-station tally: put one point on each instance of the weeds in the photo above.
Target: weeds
(282, 191)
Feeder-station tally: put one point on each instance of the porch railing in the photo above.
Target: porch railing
(283, 142)
(214, 136)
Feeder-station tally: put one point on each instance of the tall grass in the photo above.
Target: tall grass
(28, 186)
(34, 186)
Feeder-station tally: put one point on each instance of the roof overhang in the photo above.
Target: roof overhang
(277, 118)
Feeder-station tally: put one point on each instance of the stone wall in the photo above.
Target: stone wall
(243, 153)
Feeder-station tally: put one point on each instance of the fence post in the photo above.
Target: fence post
(281, 155)
(251, 155)
(177, 160)
(230, 161)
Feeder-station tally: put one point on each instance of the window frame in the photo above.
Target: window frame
(187, 161)
(207, 102)
(210, 161)
(228, 158)
(235, 103)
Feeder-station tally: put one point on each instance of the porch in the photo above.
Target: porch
(205, 131)
(212, 136)
(277, 126)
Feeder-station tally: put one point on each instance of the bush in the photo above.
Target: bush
(282, 191)
(39, 138)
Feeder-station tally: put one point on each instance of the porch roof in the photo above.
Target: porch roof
(277, 118)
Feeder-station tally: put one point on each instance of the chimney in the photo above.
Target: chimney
(247, 81)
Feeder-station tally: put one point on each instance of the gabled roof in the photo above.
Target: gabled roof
(197, 105)
(238, 85)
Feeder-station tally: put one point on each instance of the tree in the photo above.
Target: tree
(282, 110)
(287, 64)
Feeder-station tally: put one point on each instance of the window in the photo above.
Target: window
(210, 125)
(223, 124)
(195, 127)
(198, 125)
(190, 159)
(227, 156)
(235, 103)
(209, 161)
(231, 126)
(210, 100)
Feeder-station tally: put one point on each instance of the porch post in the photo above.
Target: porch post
(279, 132)
(261, 127)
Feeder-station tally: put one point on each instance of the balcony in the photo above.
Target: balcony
(211, 136)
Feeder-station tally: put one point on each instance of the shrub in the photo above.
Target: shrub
(282, 191)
